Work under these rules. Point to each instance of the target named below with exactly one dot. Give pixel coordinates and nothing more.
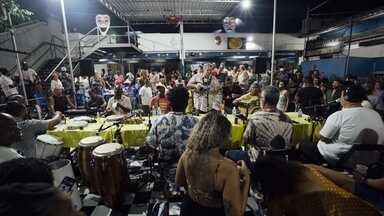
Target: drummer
(119, 104)
(249, 102)
(30, 128)
(9, 134)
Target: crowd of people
(216, 183)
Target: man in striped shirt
(269, 128)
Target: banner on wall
(103, 22)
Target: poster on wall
(236, 43)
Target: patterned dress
(169, 134)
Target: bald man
(10, 134)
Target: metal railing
(93, 40)
(39, 54)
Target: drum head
(91, 141)
(76, 124)
(115, 118)
(49, 139)
(82, 118)
(107, 150)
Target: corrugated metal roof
(141, 11)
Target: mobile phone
(67, 185)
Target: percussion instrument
(115, 118)
(64, 179)
(111, 173)
(76, 112)
(83, 118)
(86, 166)
(73, 125)
(48, 145)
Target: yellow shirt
(249, 101)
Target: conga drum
(86, 164)
(111, 173)
(48, 146)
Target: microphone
(334, 101)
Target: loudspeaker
(260, 65)
(86, 68)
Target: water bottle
(98, 116)
(300, 113)
(234, 111)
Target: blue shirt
(170, 133)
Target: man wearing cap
(250, 102)
(345, 128)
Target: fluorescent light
(333, 43)
(239, 57)
(246, 4)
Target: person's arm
(376, 183)
(69, 101)
(125, 105)
(330, 128)
(287, 104)
(235, 193)
(55, 120)
(109, 105)
(51, 104)
(181, 180)
(249, 135)
(192, 84)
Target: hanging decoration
(229, 24)
(103, 22)
(218, 40)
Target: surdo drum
(48, 146)
(64, 179)
(86, 163)
(111, 173)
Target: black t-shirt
(60, 103)
(309, 96)
(97, 101)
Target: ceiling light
(246, 4)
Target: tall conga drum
(86, 163)
(111, 173)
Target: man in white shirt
(243, 77)
(10, 134)
(145, 94)
(346, 127)
(30, 79)
(119, 104)
(7, 85)
(206, 91)
(29, 75)
(56, 83)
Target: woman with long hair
(294, 189)
(215, 185)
